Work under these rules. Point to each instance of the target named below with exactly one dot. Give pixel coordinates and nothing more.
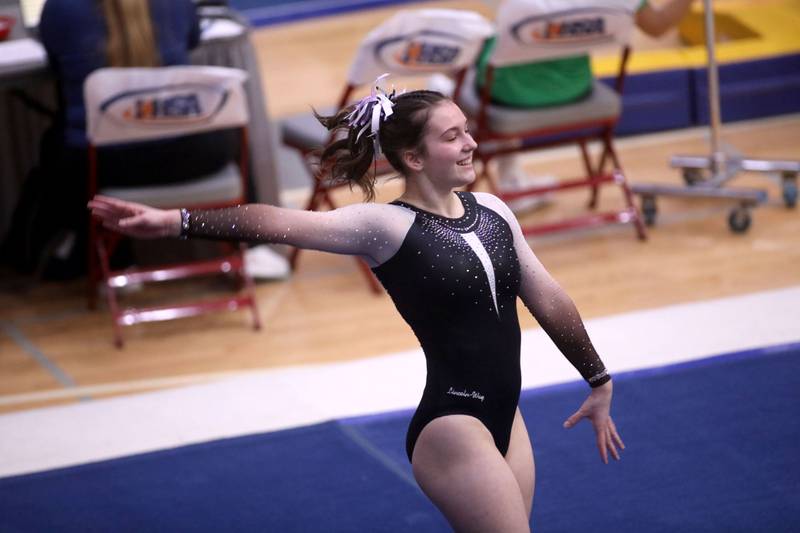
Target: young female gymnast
(454, 264)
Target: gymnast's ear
(412, 160)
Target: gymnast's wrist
(598, 380)
(178, 222)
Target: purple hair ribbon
(367, 113)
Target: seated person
(81, 36)
(557, 82)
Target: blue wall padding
(655, 101)
(262, 13)
(751, 89)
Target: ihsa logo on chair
(586, 26)
(423, 50)
(174, 104)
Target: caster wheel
(649, 210)
(790, 189)
(739, 219)
(691, 176)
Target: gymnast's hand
(135, 220)
(596, 409)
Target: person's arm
(194, 24)
(655, 21)
(54, 30)
(556, 313)
(372, 231)
(550, 305)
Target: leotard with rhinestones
(454, 280)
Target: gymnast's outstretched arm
(559, 318)
(371, 231)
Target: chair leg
(619, 177)
(293, 258)
(636, 216)
(93, 275)
(111, 292)
(244, 282)
(608, 144)
(256, 315)
(590, 172)
(603, 159)
(373, 282)
(249, 288)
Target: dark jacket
(74, 34)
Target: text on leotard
(464, 394)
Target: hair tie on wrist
(599, 379)
(185, 223)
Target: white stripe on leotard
(477, 246)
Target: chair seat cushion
(602, 103)
(304, 131)
(222, 187)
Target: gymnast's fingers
(615, 434)
(610, 443)
(601, 444)
(104, 213)
(574, 419)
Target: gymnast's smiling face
(445, 155)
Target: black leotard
(455, 281)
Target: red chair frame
(582, 133)
(102, 243)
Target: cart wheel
(649, 210)
(790, 189)
(692, 175)
(739, 219)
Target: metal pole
(722, 167)
(717, 156)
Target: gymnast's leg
(520, 459)
(457, 464)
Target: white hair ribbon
(367, 113)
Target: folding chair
(535, 30)
(411, 43)
(128, 105)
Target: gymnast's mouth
(465, 162)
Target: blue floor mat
(712, 446)
(315, 478)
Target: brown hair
(349, 160)
(131, 40)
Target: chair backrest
(136, 104)
(421, 42)
(538, 30)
